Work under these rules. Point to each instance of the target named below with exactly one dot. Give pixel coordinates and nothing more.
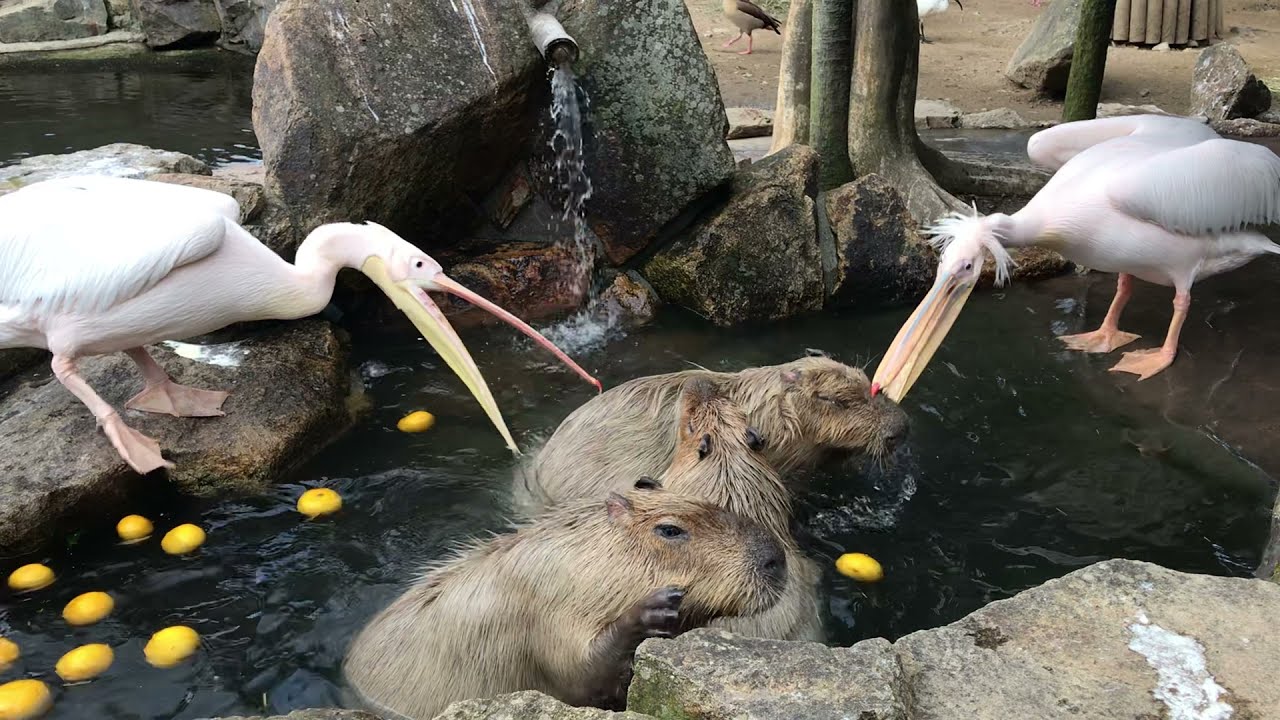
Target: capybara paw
(661, 612)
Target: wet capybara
(560, 604)
(809, 409)
(719, 458)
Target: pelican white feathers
(95, 265)
(1163, 199)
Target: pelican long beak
(414, 302)
(920, 337)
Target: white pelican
(95, 265)
(1163, 199)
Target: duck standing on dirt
(748, 16)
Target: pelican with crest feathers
(1159, 198)
(96, 265)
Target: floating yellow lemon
(170, 646)
(133, 528)
(85, 662)
(860, 567)
(182, 539)
(88, 608)
(31, 577)
(319, 501)
(9, 652)
(419, 421)
(24, 699)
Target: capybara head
(728, 565)
(718, 458)
(831, 405)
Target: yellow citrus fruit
(182, 539)
(85, 662)
(9, 652)
(319, 501)
(88, 608)
(31, 577)
(419, 421)
(133, 528)
(860, 567)
(24, 699)
(170, 646)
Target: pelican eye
(418, 264)
(968, 265)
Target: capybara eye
(833, 401)
(670, 532)
(704, 447)
(754, 441)
(647, 483)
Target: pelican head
(964, 241)
(406, 275)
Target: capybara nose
(770, 558)
(896, 430)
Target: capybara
(719, 458)
(561, 604)
(808, 409)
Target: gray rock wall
(23, 21)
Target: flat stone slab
(289, 386)
(1118, 639)
(125, 160)
(528, 705)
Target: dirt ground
(970, 49)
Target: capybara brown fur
(808, 409)
(719, 458)
(560, 604)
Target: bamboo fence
(1176, 22)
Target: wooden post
(1137, 21)
(1200, 20)
(791, 116)
(1155, 21)
(1169, 22)
(1184, 21)
(1120, 24)
(1089, 60)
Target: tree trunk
(830, 66)
(791, 116)
(1084, 85)
(882, 126)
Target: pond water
(1024, 463)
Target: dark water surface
(194, 102)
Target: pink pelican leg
(141, 452)
(1109, 336)
(731, 42)
(1145, 363)
(162, 395)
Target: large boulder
(878, 255)
(177, 23)
(1119, 639)
(1043, 61)
(23, 21)
(244, 23)
(289, 387)
(657, 123)
(528, 705)
(118, 160)
(401, 112)
(757, 258)
(1223, 87)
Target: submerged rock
(528, 705)
(757, 258)
(657, 123)
(404, 112)
(878, 255)
(118, 160)
(629, 299)
(177, 23)
(1043, 61)
(1119, 639)
(1223, 87)
(288, 398)
(24, 21)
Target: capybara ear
(704, 446)
(755, 440)
(791, 377)
(648, 483)
(815, 352)
(617, 506)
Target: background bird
(931, 7)
(748, 16)
(97, 265)
(1158, 198)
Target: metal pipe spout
(555, 45)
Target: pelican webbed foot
(170, 398)
(139, 451)
(1102, 340)
(1145, 363)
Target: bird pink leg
(731, 42)
(1145, 363)
(141, 452)
(163, 395)
(748, 50)
(1108, 337)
